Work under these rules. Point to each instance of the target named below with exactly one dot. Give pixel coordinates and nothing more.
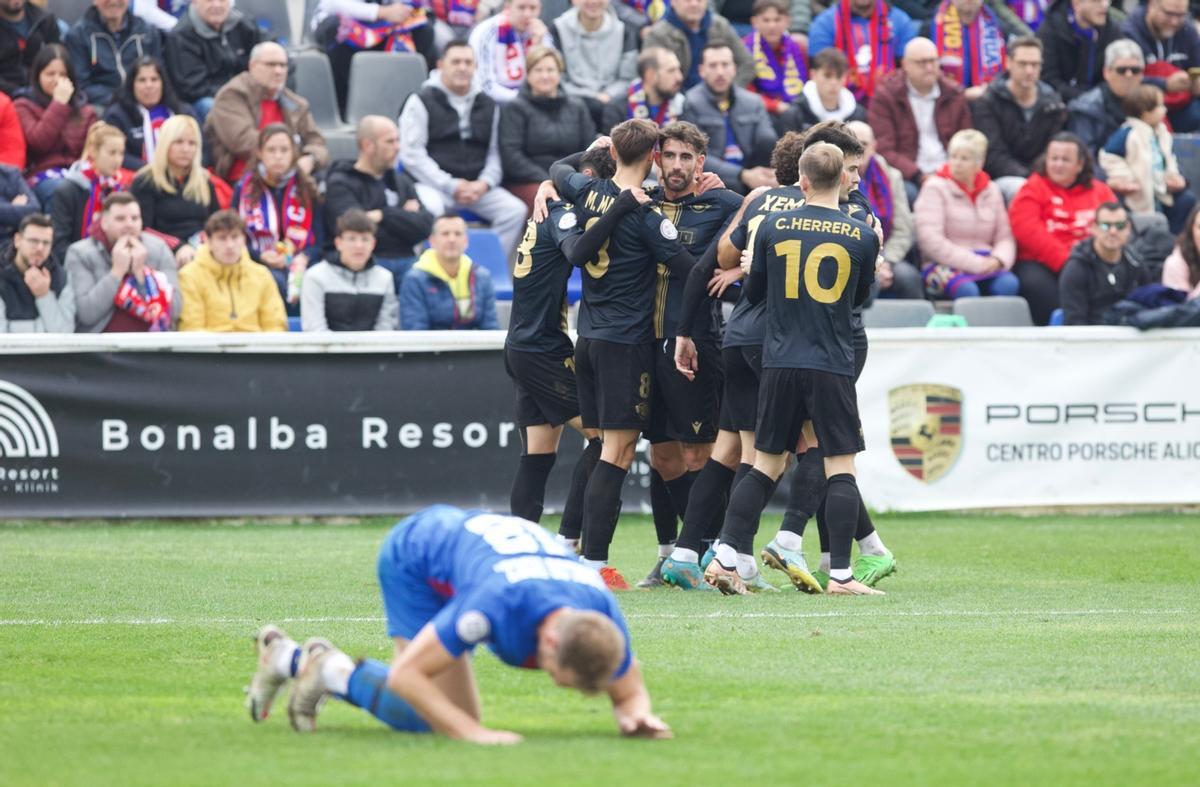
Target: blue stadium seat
(575, 287)
(1056, 317)
(69, 11)
(272, 16)
(294, 325)
(484, 249)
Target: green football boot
(869, 569)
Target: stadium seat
(380, 82)
(272, 16)
(1056, 318)
(294, 325)
(484, 249)
(994, 311)
(503, 313)
(575, 287)
(69, 11)
(1187, 150)
(306, 32)
(313, 79)
(887, 313)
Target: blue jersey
(485, 578)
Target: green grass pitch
(1051, 651)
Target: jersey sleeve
(571, 187)
(660, 235)
(614, 612)
(563, 224)
(467, 621)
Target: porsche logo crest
(926, 429)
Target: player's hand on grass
(706, 181)
(686, 360)
(545, 193)
(722, 280)
(647, 726)
(486, 737)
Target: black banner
(190, 434)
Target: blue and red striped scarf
(969, 54)
(871, 56)
(1032, 12)
(370, 35)
(879, 193)
(99, 187)
(262, 217)
(460, 13)
(152, 120)
(773, 78)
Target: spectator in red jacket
(1050, 214)
(55, 117)
(12, 137)
(914, 112)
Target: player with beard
(683, 414)
(540, 359)
(614, 356)
(811, 266)
(741, 354)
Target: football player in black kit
(540, 359)
(614, 355)
(812, 266)
(683, 414)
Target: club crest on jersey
(567, 220)
(668, 230)
(472, 627)
(926, 429)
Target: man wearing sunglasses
(1172, 49)
(1096, 114)
(1101, 271)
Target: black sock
(571, 525)
(822, 526)
(746, 505)
(805, 490)
(602, 506)
(711, 485)
(529, 486)
(717, 519)
(865, 526)
(680, 488)
(662, 508)
(841, 512)
(742, 469)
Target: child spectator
(145, 101)
(1139, 163)
(445, 290)
(347, 291)
(825, 95)
(86, 185)
(224, 291)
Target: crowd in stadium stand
(157, 172)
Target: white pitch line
(1013, 613)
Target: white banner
(993, 418)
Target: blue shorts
(409, 600)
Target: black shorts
(614, 383)
(739, 401)
(860, 351)
(544, 387)
(789, 397)
(682, 409)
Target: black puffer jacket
(1014, 142)
(172, 214)
(201, 60)
(536, 131)
(1071, 64)
(15, 59)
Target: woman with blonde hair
(75, 205)
(966, 243)
(174, 190)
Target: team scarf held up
(152, 120)
(879, 193)
(374, 35)
(1032, 12)
(460, 13)
(871, 56)
(153, 305)
(969, 54)
(784, 80)
(653, 9)
(638, 108)
(263, 217)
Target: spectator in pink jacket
(966, 244)
(1181, 271)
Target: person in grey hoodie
(449, 141)
(347, 291)
(588, 36)
(35, 295)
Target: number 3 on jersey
(598, 268)
(525, 251)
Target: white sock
(825, 562)
(596, 564)
(872, 544)
(841, 574)
(789, 540)
(664, 550)
(284, 657)
(726, 556)
(335, 673)
(573, 543)
(682, 555)
(746, 567)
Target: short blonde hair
(98, 134)
(540, 53)
(591, 646)
(970, 140)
